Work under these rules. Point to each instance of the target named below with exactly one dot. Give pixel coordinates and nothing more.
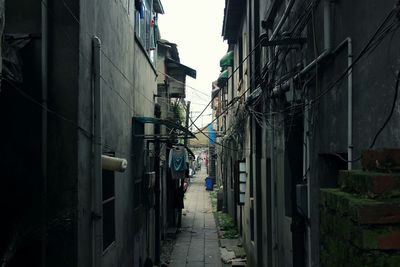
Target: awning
(227, 60)
(223, 75)
(167, 123)
(175, 64)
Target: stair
(360, 220)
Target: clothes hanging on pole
(178, 162)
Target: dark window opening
(231, 173)
(293, 159)
(138, 157)
(240, 59)
(251, 223)
(329, 166)
(108, 199)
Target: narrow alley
(170, 133)
(197, 243)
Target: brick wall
(360, 221)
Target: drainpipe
(348, 42)
(44, 78)
(349, 104)
(328, 25)
(96, 156)
(157, 189)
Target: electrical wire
(56, 114)
(116, 67)
(230, 76)
(385, 123)
(371, 45)
(188, 86)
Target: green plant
(179, 112)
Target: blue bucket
(209, 183)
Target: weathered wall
(373, 92)
(128, 84)
(20, 161)
(53, 193)
(360, 220)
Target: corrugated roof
(175, 64)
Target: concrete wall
(128, 84)
(358, 20)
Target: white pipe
(97, 153)
(327, 25)
(348, 42)
(113, 164)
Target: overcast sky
(196, 26)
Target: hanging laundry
(139, 5)
(178, 162)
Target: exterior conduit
(113, 163)
(349, 44)
(282, 20)
(44, 74)
(97, 155)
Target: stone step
(364, 237)
(383, 160)
(361, 210)
(336, 252)
(370, 184)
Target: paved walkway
(197, 243)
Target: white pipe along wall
(113, 164)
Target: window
(108, 200)
(240, 59)
(146, 26)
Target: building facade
(77, 74)
(296, 109)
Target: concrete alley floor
(197, 243)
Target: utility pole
(185, 142)
(157, 188)
(191, 116)
(187, 122)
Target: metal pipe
(283, 19)
(157, 189)
(308, 176)
(97, 153)
(349, 103)
(349, 43)
(44, 78)
(327, 25)
(313, 63)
